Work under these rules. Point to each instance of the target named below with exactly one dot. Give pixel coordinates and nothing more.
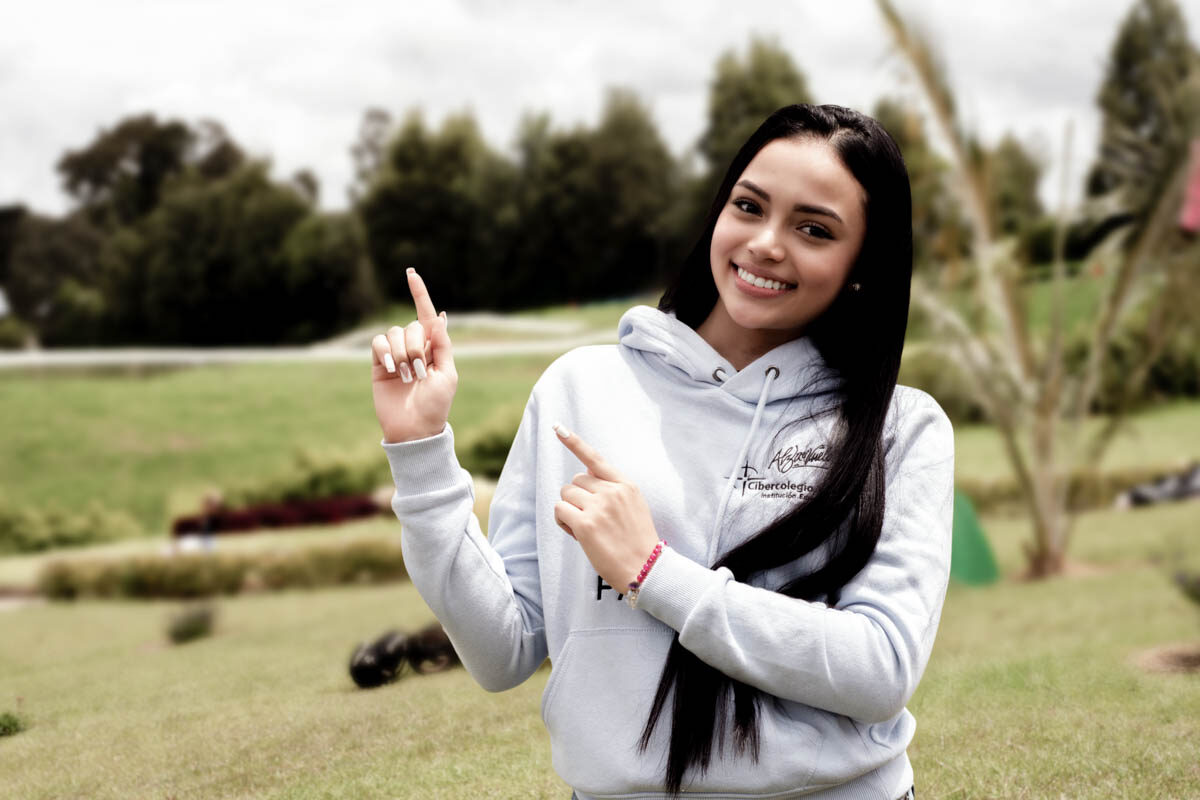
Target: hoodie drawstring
(772, 373)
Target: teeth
(762, 283)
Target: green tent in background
(971, 560)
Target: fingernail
(405, 373)
(561, 431)
(419, 367)
(445, 319)
(388, 362)
(410, 271)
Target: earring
(856, 286)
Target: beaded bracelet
(636, 585)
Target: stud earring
(856, 286)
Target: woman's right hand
(407, 405)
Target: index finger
(426, 313)
(588, 455)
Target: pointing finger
(426, 313)
(587, 454)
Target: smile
(760, 286)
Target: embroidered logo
(781, 463)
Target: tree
(369, 152)
(51, 278)
(592, 206)
(327, 275)
(1150, 58)
(1012, 175)
(742, 94)
(1036, 397)
(440, 203)
(940, 232)
(120, 175)
(236, 260)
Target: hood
(801, 370)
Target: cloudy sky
(290, 80)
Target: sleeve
(864, 658)
(486, 592)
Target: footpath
(546, 336)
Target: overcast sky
(290, 80)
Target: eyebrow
(803, 207)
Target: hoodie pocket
(595, 704)
(598, 698)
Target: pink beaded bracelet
(635, 586)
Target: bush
(484, 448)
(934, 373)
(1174, 373)
(29, 530)
(191, 622)
(315, 477)
(194, 575)
(1087, 489)
(13, 333)
(10, 723)
(327, 511)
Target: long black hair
(861, 335)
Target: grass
(1031, 693)
(1166, 434)
(132, 442)
(262, 709)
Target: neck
(737, 345)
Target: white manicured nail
(561, 431)
(388, 362)
(419, 366)
(405, 372)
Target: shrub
(193, 575)
(191, 622)
(934, 373)
(10, 723)
(1174, 373)
(325, 511)
(315, 477)
(30, 530)
(13, 333)
(1087, 489)
(484, 448)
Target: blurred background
(206, 211)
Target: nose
(765, 245)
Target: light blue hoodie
(703, 443)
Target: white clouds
(291, 79)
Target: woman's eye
(748, 206)
(814, 230)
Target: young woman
(730, 532)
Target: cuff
(675, 586)
(424, 465)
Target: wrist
(643, 573)
(400, 437)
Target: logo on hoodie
(785, 460)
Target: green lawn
(135, 442)
(1031, 693)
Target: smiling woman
(781, 237)
(740, 592)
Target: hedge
(31, 530)
(1087, 488)
(204, 574)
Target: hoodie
(718, 454)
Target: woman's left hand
(606, 514)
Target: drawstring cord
(772, 373)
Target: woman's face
(796, 216)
